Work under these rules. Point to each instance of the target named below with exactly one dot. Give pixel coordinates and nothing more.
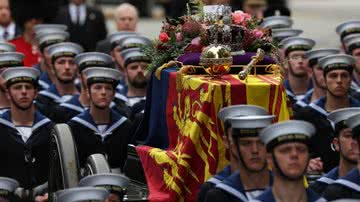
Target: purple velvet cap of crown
(194, 59)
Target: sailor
(47, 35)
(25, 133)
(115, 184)
(7, 189)
(7, 59)
(298, 82)
(224, 115)
(66, 71)
(80, 102)
(288, 156)
(319, 86)
(78, 194)
(101, 129)
(337, 74)
(348, 186)
(280, 34)
(253, 176)
(352, 47)
(343, 144)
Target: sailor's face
(344, 143)
(356, 54)
(47, 59)
(101, 94)
(5, 15)
(113, 198)
(2, 81)
(116, 54)
(135, 73)
(338, 82)
(318, 76)
(253, 153)
(298, 64)
(292, 159)
(22, 94)
(65, 69)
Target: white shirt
(11, 31)
(73, 13)
(25, 132)
(133, 100)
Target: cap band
(62, 54)
(350, 31)
(336, 66)
(249, 132)
(299, 47)
(286, 139)
(92, 63)
(49, 42)
(12, 63)
(21, 79)
(137, 59)
(94, 80)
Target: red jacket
(31, 52)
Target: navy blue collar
(351, 180)
(306, 100)
(87, 120)
(51, 92)
(269, 197)
(330, 177)
(216, 179)
(74, 104)
(39, 120)
(319, 105)
(289, 91)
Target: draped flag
(195, 149)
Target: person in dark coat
(253, 176)
(288, 156)
(25, 133)
(86, 24)
(337, 73)
(101, 129)
(343, 144)
(348, 187)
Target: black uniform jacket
(112, 142)
(27, 162)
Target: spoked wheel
(96, 164)
(64, 164)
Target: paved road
(318, 19)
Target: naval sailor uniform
(293, 98)
(268, 196)
(212, 182)
(44, 81)
(346, 187)
(48, 99)
(316, 114)
(110, 140)
(323, 182)
(25, 157)
(231, 189)
(305, 101)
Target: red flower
(163, 37)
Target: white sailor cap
(7, 186)
(93, 59)
(117, 37)
(11, 59)
(337, 61)
(135, 41)
(101, 75)
(283, 33)
(77, 194)
(297, 43)
(286, 131)
(49, 28)
(240, 110)
(7, 47)
(20, 74)
(46, 39)
(351, 42)
(339, 116)
(110, 181)
(353, 122)
(277, 22)
(249, 126)
(348, 27)
(134, 55)
(314, 55)
(64, 49)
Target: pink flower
(258, 33)
(240, 17)
(196, 41)
(179, 37)
(163, 37)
